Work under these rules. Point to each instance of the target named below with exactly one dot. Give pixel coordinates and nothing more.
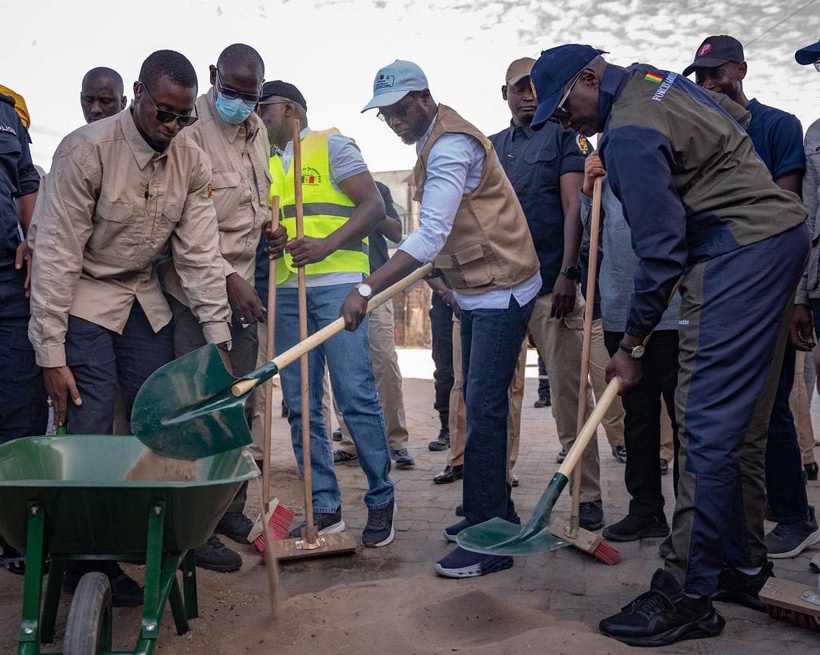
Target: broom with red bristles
(585, 540)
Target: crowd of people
(151, 236)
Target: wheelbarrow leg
(160, 579)
(33, 583)
(188, 568)
(52, 600)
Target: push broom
(585, 540)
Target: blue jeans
(785, 486)
(103, 361)
(23, 408)
(490, 345)
(347, 356)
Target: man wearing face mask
(236, 143)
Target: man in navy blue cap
(472, 225)
(739, 244)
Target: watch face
(364, 290)
(637, 352)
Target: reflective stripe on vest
(325, 210)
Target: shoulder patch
(582, 143)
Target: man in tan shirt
(119, 190)
(236, 143)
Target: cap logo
(384, 82)
(705, 49)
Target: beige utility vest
(490, 246)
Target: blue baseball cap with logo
(808, 55)
(395, 81)
(550, 74)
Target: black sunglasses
(166, 117)
(233, 94)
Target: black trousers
(642, 428)
(441, 325)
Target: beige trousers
(560, 341)
(613, 422)
(799, 404)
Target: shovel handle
(275, 365)
(587, 432)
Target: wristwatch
(635, 352)
(364, 290)
(224, 345)
(571, 272)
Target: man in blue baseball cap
(472, 225)
(738, 244)
(809, 55)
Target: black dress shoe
(449, 474)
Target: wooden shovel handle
(274, 215)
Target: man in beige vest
(472, 225)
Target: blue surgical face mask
(233, 111)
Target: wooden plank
(341, 543)
(786, 594)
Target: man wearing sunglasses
(119, 191)
(738, 243)
(472, 225)
(236, 143)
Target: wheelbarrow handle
(272, 367)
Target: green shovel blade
(186, 410)
(500, 537)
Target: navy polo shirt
(18, 177)
(778, 139)
(534, 161)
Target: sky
(331, 50)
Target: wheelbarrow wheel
(88, 629)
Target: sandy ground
(388, 600)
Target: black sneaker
(811, 471)
(213, 555)
(591, 515)
(633, 527)
(402, 459)
(459, 510)
(737, 587)
(788, 540)
(236, 526)
(379, 529)
(125, 591)
(441, 442)
(619, 453)
(663, 615)
(560, 457)
(346, 458)
(13, 560)
(664, 467)
(543, 401)
(462, 563)
(665, 548)
(324, 522)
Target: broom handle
(587, 342)
(310, 535)
(274, 215)
(275, 365)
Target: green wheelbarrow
(65, 496)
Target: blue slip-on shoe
(465, 564)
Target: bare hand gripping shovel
(193, 407)
(500, 537)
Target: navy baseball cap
(283, 90)
(550, 74)
(808, 55)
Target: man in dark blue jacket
(739, 243)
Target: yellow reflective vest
(325, 210)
